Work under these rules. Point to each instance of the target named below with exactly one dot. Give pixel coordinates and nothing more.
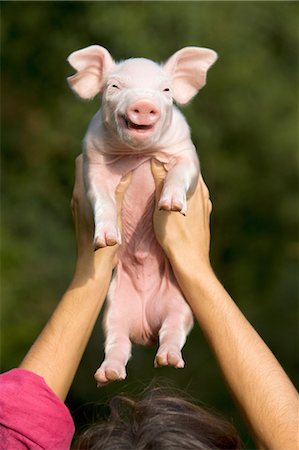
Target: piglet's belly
(138, 237)
(144, 290)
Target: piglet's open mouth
(135, 127)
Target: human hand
(183, 238)
(89, 260)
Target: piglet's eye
(115, 86)
(166, 90)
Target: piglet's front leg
(180, 181)
(101, 194)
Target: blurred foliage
(243, 124)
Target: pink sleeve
(31, 415)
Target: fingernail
(125, 177)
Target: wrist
(95, 266)
(189, 261)
(193, 272)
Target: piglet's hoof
(104, 241)
(169, 358)
(173, 204)
(113, 371)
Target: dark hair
(159, 421)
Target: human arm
(57, 352)
(261, 388)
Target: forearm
(58, 350)
(260, 386)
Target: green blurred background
(243, 124)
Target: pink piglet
(137, 122)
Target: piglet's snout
(143, 112)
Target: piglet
(136, 123)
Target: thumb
(159, 174)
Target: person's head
(159, 421)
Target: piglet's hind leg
(117, 354)
(172, 337)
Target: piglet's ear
(188, 70)
(91, 63)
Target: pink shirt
(31, 415)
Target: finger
(121, 189)
(206, 195)
(159, 174)
(78, 184)
(80, 206)
(72, 205)
(79, 161)
(205, 189)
